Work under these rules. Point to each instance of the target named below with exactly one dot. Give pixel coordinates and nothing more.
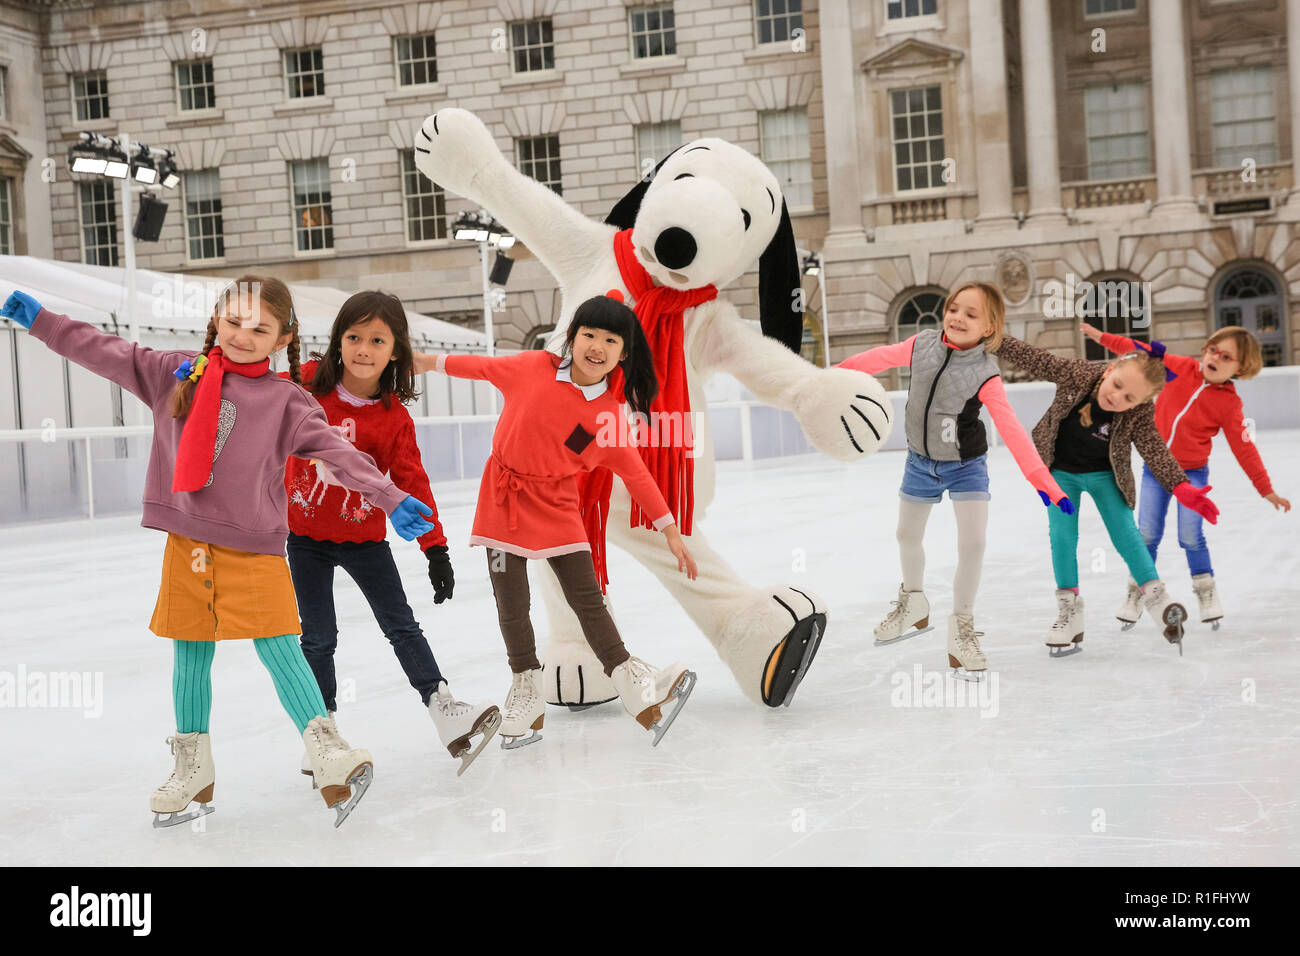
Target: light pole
(814, 265)
(480, 227)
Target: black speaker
(149, 221)
(501, 267)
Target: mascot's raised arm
(705, 215)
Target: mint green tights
(294, 683)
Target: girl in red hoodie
(557, 441)
(367, 365)
(1190, 411)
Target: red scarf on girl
(199, 435)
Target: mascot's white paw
(770, 644)
(572, 675)
(452, 147)
(845, 414)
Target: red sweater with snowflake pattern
(320, 508)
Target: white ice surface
(1125, 754)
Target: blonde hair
(1249, 357)
(274, 296)
(1152, 369)
(994, 305)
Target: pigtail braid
(183, 394)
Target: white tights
(972, 520)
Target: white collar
(589, 392)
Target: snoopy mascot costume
(706, 214)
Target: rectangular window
(304, 71)
(654, 141)
(532, 46)
(786, 150)
(1242, 116)
(417, 61)
(98, 223)
(776, 20)
(917, 116)
(204, 234)
(312, 216)
(6, 220)
(1115, 121)
(1100, 8)
(194, 85)
(424, 202)
(652, 30)
(902, 9)
(539, 157)
(90, 95)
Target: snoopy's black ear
(780, 310)
(623, 215)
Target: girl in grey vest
(953, 376)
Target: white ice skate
(1167, 612)
(525, 709)
(908, 617)
(305, 766)
(645, 691)
(457, 722)
(1132, 609)
(964, 655)
(1065, 636)
(191, 781)
(1208, 597)
(336, 767)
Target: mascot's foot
(572, 676)
(770, 645)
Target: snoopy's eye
(745, 213)
(683, 176)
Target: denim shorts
(926, 479)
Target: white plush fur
(706, 187)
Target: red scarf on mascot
(660, 309)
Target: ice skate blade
(1126, 625)
(653, 718)
(488, 725)
(163, 820)
(1173, 618)
(514, 743)
(902, 637)
(972, 677)
(1055, 650)
(343, 798)
(579, 708)
(784, 672)
(1214, 624)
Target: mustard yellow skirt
(211, 593)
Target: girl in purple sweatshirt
(224, 426)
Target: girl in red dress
(553, 451)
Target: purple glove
(1063, 504)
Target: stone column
(1173, 141)
(1039, 83)
(1293, 75)
(988, 66)
(844, 157)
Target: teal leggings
(1115, 513)
(294, 683)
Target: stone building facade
(1140, 149)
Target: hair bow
(1158, 350)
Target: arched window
(536, 339)
(1119, 305)
(1252, 299)
(922, 309)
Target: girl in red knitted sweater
(1190, 411)
(557, 441)
(362, 381)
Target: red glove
(1197, 500)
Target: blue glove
(408, 518)
(1063, 504)
(22, 308)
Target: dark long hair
(640, 385)
(399, 376)
(273, 295)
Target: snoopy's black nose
(675, 248)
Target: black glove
(440, 573)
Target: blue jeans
(1154, 505)
(926, 479)
(370, 564)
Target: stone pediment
(1238, 31)
(911, 54)
(11, 152)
